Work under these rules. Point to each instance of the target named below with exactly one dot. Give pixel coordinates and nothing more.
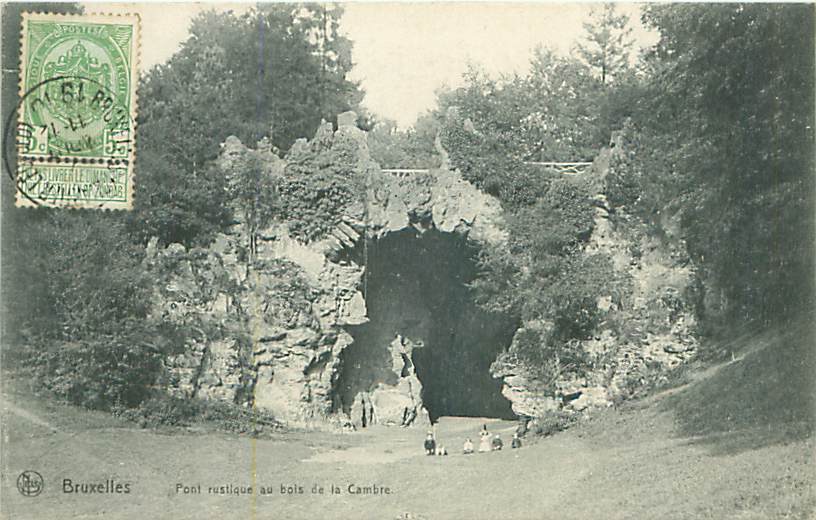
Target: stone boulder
(347, 119)
(528, 395)
(591, 397)
(221, 371)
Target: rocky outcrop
(647, 327)
(440, 199)
(398, 404)
(529, 395)
(273, 309)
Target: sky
(404, 52)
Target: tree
(731, 98)
(23, 294)
(551, 114)
(88, 334)
(543, 276)
(273, 72)
(334, 52)
(251, 190)
(562, 108)
(414, 147)
(608, 42)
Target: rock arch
(289, 363)
(275, 335)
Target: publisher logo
(30, 483)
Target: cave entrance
(417, 288)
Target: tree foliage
(734, 87)
(608, 42)
(492, 129)
(716, 128)
(251, 192)
(90, 336)
(563, 110)
(273, 72)
(554, 113)
(485, 160)
(543, 276)
(22, 292)
(321, 181)
(410, 148)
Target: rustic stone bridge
(372, 323)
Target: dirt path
(10, 408)
(620, 466)
(639, 461)
(492, 485)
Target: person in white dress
(484, 440)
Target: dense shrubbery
(718, 128)
(77, 293)
(724, 150)
(724, 135)
(409, 148)
(162, 410)
(554, 113)
(86, 334)
(542, 240)
(487, 162)
(540, 275)
(99, 372)
(553, 422)
(274, 71)
(251, 190)
(313, 205)
(321, 181)
(490, 129)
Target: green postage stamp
(76, 131)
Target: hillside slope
(735, 442)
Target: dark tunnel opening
(417, 287)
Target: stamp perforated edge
(136, 22)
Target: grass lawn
(712, 449)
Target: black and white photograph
(408, 261)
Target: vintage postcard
(407, 261)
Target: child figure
(497, 443)
(467, 449)
(430, 444)
(516, 441)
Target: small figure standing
(516, 441)
(497, 443)
(484, 441)
(408, 416)
(442, 451)
(523, 427)
(467, 449)
(430, 444)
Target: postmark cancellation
(76, 129)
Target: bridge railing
(565, 168)
(405, 172)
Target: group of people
(485, 443)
